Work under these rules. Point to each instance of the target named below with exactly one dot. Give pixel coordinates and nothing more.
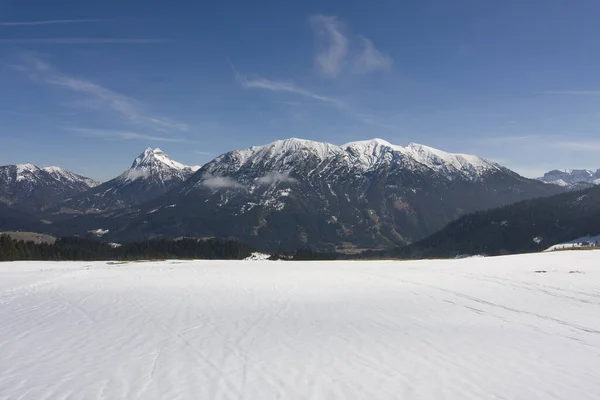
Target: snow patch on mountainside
(284, 155)
(27, 172)
(438, 159)
(257, 257)
(64, 175)
(99, 232)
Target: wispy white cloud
(124, 135)
(285, 87)
(338, 52)
(370, 59)
(98, 96)
(203, 153)
(82, 41)
(332, 44)
(288, 87)
(47, 22)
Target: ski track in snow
(481, 328)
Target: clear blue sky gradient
(89, 85)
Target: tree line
(80, 249)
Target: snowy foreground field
(482, 328)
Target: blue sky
(89, 85)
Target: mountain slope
(522, 227)
(572, 178)
(29, 187)
(69, 178)
(293, 193)
(152, 174)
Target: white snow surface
(257, 257)
(157, 154)
(27, 172)
(585, 241)
(63, 175)
(480, 328)
(365, 155)
(154, 162)
(99, 232)
(571, 177)
(30, 173)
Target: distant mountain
(526, 226)
(152, 174)
(69, 178)
(293, 193)
(572, 178)
(29, 187)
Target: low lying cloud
(220, 182)
(276, 177)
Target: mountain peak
(152, 157)
(27, 167)
(293, 153)
(155, 162)
(27, 185)
(572, 178)
(369, 142)
(151, 174)
(150, 150)
(68, 177)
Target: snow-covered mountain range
(362, 156)
(295, 192)
(282, 195)
(152, 174)
(572, 178)
(29, 186)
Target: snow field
(518, 327)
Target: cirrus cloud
(332, 44)
(370, 59)
(337, 51)
(95, 95)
